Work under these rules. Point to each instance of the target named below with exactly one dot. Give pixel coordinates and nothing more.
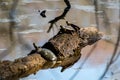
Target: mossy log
(66, 45)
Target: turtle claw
(63, 69)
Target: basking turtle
(67, 44)
(65, 47)
(46, 54)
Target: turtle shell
(66, 48)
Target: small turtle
(45, 53)
(65, 48)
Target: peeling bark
(21, 67)
(66, 45)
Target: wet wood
(21, 67)
(66, 45)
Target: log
(21, 67)
(66, 46)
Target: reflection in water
(29, 27)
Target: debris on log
(65, 46)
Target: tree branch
(52, 22)
(21, 67)
(66, 46)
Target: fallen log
(64, 49)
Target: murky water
(30, 27)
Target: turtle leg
(75, 27)
(36, 50)
(63, 68)
(64, 30)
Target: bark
(66, 45)
(20, 67)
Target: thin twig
(119, 40)
(12, 15)
(52, 22)
(112, 60)
(112, 57)
(11, 27)
(96, 13)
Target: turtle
(65, 48)
(46, 54)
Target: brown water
(30, 27)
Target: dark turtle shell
(67, 44)
(66, 47)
